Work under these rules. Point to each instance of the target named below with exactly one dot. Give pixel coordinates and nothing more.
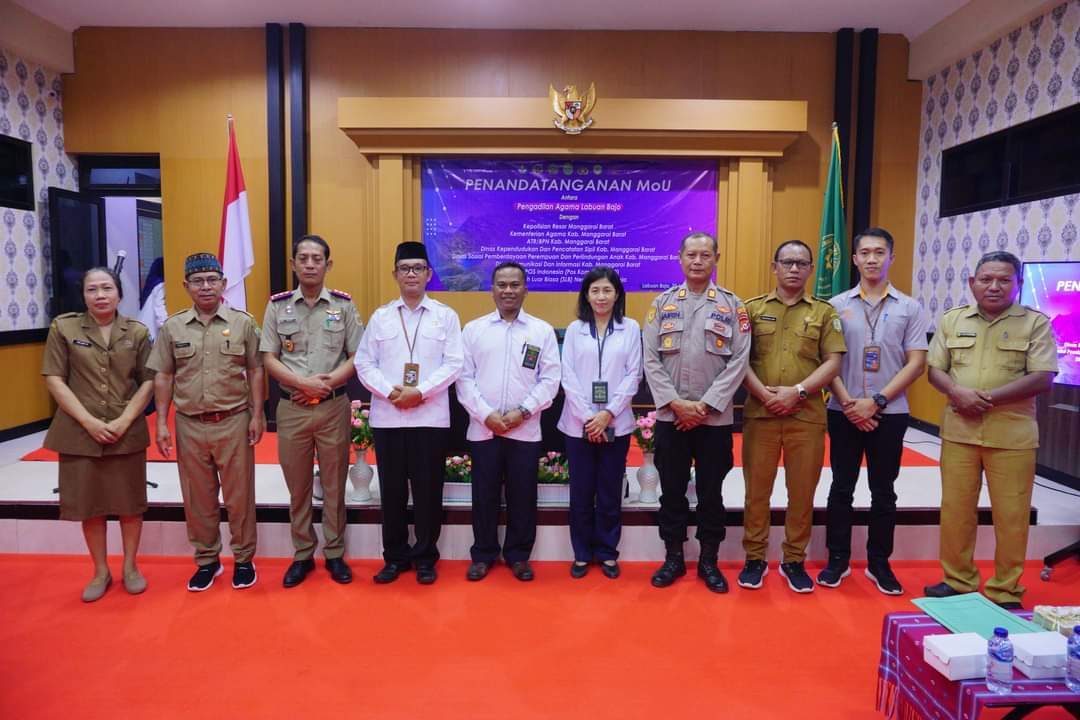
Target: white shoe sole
(751, 586)
(209, 584)
(836, 584)
(254, 579)
(882, 590)
(792, 585)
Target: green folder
(972, 612)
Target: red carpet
(266, 452)
(557, 648)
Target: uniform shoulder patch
(340, 294)
(179, 312)
(755, 298)
(67, 315)
(277, 297)
(242, 312)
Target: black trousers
(709, 447)
(883, 448)
(596, 483)
(515, 462)
(415, 456)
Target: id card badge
(599, 392)
(872, 358)
(411, 376)
(531, 357)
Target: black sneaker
(882, 576)
(833, 573)
(243, 575)
(753, 574)
(204, 577)
(797, 579)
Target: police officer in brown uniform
(798, 343)
(95, 369)
(697, 344)
(309, 337)
(990, 359)
(207, 362)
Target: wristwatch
(802, 391)
(881, 400)
(524, 412)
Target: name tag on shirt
(531, 357)
(766, 317)
(871, 358)
(967, 333)
(179, 344)
(82, 343)
(411, 376)
(600, 392)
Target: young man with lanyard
(511, 374)
(408, 358)
(885, 331)
(309, 337)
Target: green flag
(834, 254)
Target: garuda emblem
(572, 110)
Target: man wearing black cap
(207, 360)
(408, 358)
(309, 337)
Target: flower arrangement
(553, 469)
(362, 437)
(459, 469)
(643, 431)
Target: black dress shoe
(941, 590)
(674, 567)
(339, 570)
(297, 572)
(425, 574)
(714, 579)
(390, 572)
(522, 570)
(477, 571)
(579, 570)
(610, 569)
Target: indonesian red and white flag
(234, 250)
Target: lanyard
(600, 343)
(872, 324)
(416, 333)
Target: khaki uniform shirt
(984, 355)
(790, 342)
(210, 363)
(696, 348)
(311, 340)
(103, 376)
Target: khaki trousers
(212, 456)
(1010, 475)
(302, 431)
(803, 446)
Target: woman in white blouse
(601, 370)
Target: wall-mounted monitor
(1054, 289)
(16, 173)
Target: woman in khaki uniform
(95, 369)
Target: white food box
(957, 656)
(1040, 655)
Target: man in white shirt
(408, 357)
(511, 374)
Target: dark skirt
(108, 485)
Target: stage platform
(29, 515)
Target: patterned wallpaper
(1031, 71)
(31, 109)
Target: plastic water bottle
(999, 662)
(1072, 661)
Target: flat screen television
(16, 173)
(1054, 288)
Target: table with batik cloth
(910, 689)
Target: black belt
(217, 416)
(336, 392)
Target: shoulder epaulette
(956, 309)
(178, 312)
(136, 321)
(756, 297)
(340, 294)
(1037, 311)
(67, 315)
(281, 296)
(242, 312)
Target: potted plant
(553, 476)
(362, 438)
(458, 484)
(647, 476)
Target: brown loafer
(134, 582)
(96, 588)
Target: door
(77, 239)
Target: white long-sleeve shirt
(621, 371)
(495, 379)
(380, 361)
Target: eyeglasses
(412, 269)
(204, 282)
(789, 264)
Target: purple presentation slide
(1054, 288)
(560, 218)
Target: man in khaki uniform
(207, 361)
(697, 343)
(798, 343)
(991, 359)
(309, 337)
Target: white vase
(316, 486)
(360, 475)
(648, 479)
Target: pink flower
(551, 454)
(356, 404)
(640, 422)
(646, 434)
(365, 413)
(355, 423)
